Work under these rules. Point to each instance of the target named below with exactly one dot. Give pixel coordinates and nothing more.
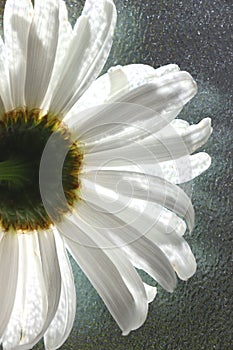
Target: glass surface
(197, 35)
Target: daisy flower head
(89, 165)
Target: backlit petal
(8, 277)
(17, 21)
(62, 323)
(114, 277)
(42, 44)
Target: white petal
(30, 307)
(64, 38)
(148, 188)
(51, 271)
(52, 282)
(183, 169)
(177, 251)
(8, 277)
(141, 252)
(148, 108)
(111, 274)
(193, 135)
(17, 20)
(42, 45)
(63, 321)
(118, 81)
(131, 209)
(87, 53)
(162, 149)
(175, 171)
(151, 292)
(140, 215)
(117, 125)
(103, 47)
(169, 91)
(5, 90)
(74, 60)
(177, 126)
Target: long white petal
(42, 46)
(140, 215)
(118, 125)
(177, 251)
(17, 20)
(86, 54)
(52, 273)
(118, 81)
(198, 134)
(162, 149)
(63, 321)
(111, 274)
(102, 47)
(149, 188)
(142, 253)
(30, 307)
(5, 90)
(132, 209)
(8, 277)
(74, 60)
(52, 282)
(141, 111)
(64, 38)
(176, 171)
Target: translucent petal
(31, 304)
(104, 46)
(148, 108)
(131, 209)
(194, 136)
(73, 62)
(5, 90)
(177, 251)
(17, 20)
(162, 149)
(176, 171)
(8, 277)
(110, 127)
(42, 43)
(140, 215)
(118, 81)
(141, 252)
(52, 282)
(52, 273)
(148, 188)
(62, 323)
(64, 38)
(86, 55)
(111, 274)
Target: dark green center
(23, 136)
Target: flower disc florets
(23, 136)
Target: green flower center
(23, 137)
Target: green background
(197, 35)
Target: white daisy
(124, 156)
